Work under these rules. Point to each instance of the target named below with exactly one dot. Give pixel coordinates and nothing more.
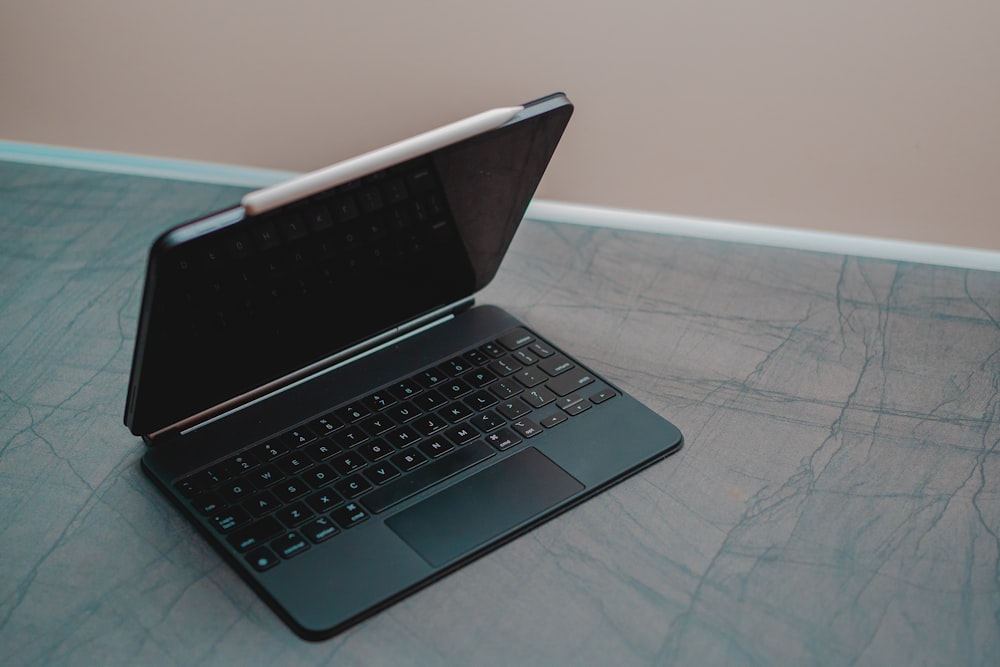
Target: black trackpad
(472, 512)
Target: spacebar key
(413, 483)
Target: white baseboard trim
(540, 209)
(767, 235)
(139, 165)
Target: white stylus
(272, 197)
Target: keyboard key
(515, 339)
(457, 366)
(324, 500)
(434, 472)
(454, 389)
(503, 439)
(192, 486)
(319, 530)
(430, 378)
(493, 350)
(235, 491)
(430, 401)
(526, 428)
(487, 421)
(375, 230)
(375, 450)
(293, 514)
(221, 471)
(378, 401)
(394, 191)
(570, 381)
(402, 437)
(291, 489)
(429, 424)
(262, 559)
(291, 465)
(525, 357)
(435, 447)
(578, 407)
(298, 437)
(456, 412)
(242, 463)
(480, 400)
(377, 425)
(553, 419)
(209, 502)
(352, 436)
(569, 401)
(479, 378)
(381, 473)
(400, 219)
(265, 476)
(506, 389)
(344, 209)
(322, 449)
(538, 397)
(264, 235)
(271, 449)
(603, 395)
(213, 476)
(530, 377)
(505, 366)
(261, 504)
(349, 515)
(461, 434)
(229, 519)
(404, 412)
(353, 413)
(513, 408)
(326, 425)
(406, 390)
(290, 227)
(319, 476)
(238, 246)
(556, 365)
(541, 349)
(348, 462)
(349, 236)
(370, 199)
(476, 357)
(289, 545)
(407, 461)
(353, 486)
(318, 218)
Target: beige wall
(879, 117)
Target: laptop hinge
(331, 363)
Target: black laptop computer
(322, 400)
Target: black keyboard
(278, 265)
(305, 486)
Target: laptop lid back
(237, 301)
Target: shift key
(570, 381)
(413, 483)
